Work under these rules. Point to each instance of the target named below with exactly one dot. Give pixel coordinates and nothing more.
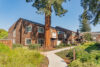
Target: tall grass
(19, 57)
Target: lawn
(87, 55)
(21, 57)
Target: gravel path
(54, 60)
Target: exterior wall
(98, 38)
(7, 42)
(54, 37)
(21, 34)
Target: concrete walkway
(54, 60)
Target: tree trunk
(47, 31)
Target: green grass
(19, 57)
(87, 55)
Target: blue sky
(12, 10)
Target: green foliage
(84, 23)
(4, 48)
(3, 34)
(17, 45)
(20, 57)
(61, 45)
(87, 55)
(88, 36)
(44, 6)
(34, 46)
(93, 10)
(75, 63)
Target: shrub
(20, 57)
(17, 45)
(3, 34)
(61, 45)
(88, 36)
(80, 54)
(89, 64)
(75, 63)
(4, 48)
(34, 46)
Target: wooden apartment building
(27, 32)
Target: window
(28, 28)
(41, 41)
(60, 32)
(40, 29)
(28, 41)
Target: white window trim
(28, 26)
(26, 41)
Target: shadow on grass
(93, 47)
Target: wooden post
(74, 54)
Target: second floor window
(28, 28)
(60, 32)
(40, 29)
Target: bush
(20, 57)
(4, 48)
(17, 45)
(80, 54)
(75, 63)
(34, 46)
(3, 34)
(61, 45)
(88, 36)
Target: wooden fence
(7, 42)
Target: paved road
(54, 60)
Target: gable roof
(32, 22)
(60, 28)
(39, 24)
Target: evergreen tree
(46, 7)
(84, 23)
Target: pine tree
(84, 23)
(46, 7)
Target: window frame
(26, 29)
(40, 28)
(40, 39)
(26, 41)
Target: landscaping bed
(21, 57)
(87, 55)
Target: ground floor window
(28, 41)
(41, 41)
